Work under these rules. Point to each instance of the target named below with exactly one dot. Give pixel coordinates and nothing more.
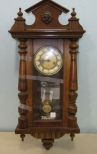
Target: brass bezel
(48, 74)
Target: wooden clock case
(47, 30)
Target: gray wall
(87, 63)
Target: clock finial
(20, 14)
(19, 24)
(73, 14)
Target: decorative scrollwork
(46, 18)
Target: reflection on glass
(47, 98)
(50, 95)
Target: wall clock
(47, 72)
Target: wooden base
(47, 142)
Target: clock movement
(47, 72)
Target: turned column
(22, 87)
(73, 87)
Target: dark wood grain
(47, 31)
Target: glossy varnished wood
(46, 30)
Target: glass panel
(47, 100)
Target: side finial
(73, 14)
(20, 14)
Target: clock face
(48, 60)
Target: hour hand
(44, 60)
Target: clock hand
(45, 60)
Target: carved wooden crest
(46, 17)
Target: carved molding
(72, 30)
